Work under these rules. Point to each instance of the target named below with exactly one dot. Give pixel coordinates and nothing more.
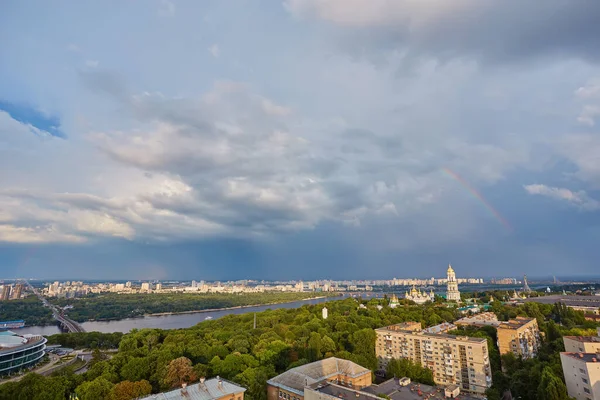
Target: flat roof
(586, 357)
(515, 323)
(584, 339)
(209, 390)
(390, 388)
(435, 335)
(297, 378)
(570, 300)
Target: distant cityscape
(79, 288)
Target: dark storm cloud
(492, 31)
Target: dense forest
(29, 309)
(153, 360)
(110, 306)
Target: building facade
(520, 336)
(19, 352)
(582, 344)
(452, 293)
(454, 360)
(582, 375)
(290, 385)
(418, 296)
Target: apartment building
(454, 360)
(582, 375)
(582, 344)
(520, 336)
(290, 385)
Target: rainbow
(478, 196)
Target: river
(176, 321)
(173, 321)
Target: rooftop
(515, 323)
(10, 341)
(209, 390)
(297, 378)
(391, 388)
(569, 300)
(586, 357)
(584, 339)
(433, 335)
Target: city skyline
(298, 139)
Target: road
(68, 324)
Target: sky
(299, 139)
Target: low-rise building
(482, 319)
(210, 389)
(290, 385)
(393, 389)
(520, 336)
(454, 360)
(20, 352)
(582, 375)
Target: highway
(67, 324)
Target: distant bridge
(65, 323)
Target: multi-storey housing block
(582, 344)
(454, 360)
(582, 375)
(520, 336)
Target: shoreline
(165, 314)
(227, 308)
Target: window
(584, 380)
(580, 370)
(586, 390)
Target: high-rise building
(5, 292)
(146, 286)
(454, 360)
(159, 286)
(325, 313)
(452, 293)
(520, 336)
(582, 344)
(17, 291)
(581, 366)
(582, 375)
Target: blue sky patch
(29, 115)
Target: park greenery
(112, 306)
(29, 309)
(153, 360)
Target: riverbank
(228, 308)
(173, 321)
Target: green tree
(551, 387)
(136, 369)
(98, 389)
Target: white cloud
(590, 91)
(579, 199)
(166, 8)
(91, 63)
(588, 115)
(73, 47)
(37, 234)
(214, 50)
